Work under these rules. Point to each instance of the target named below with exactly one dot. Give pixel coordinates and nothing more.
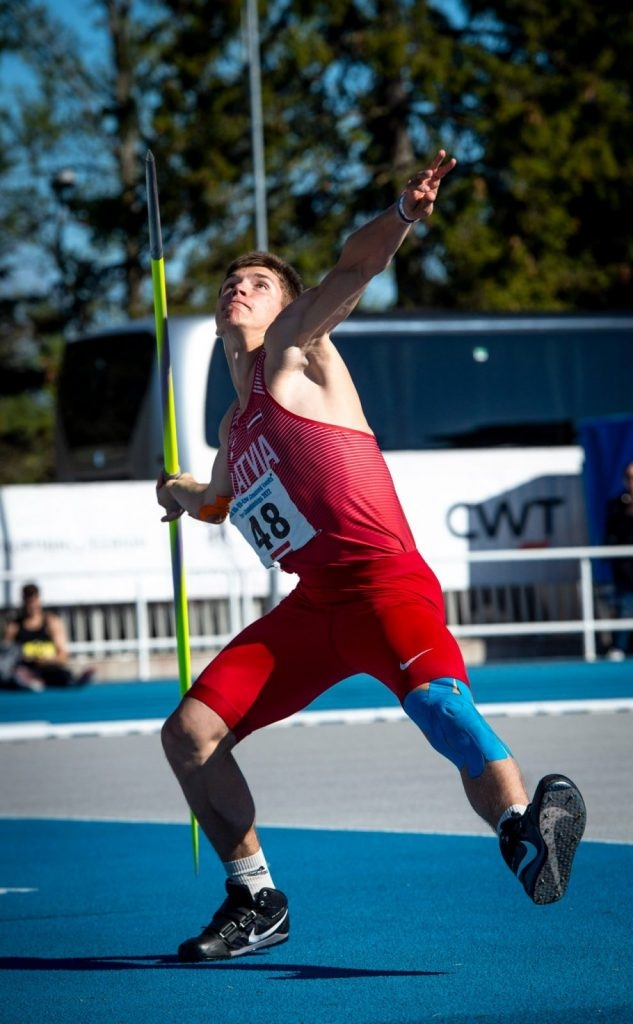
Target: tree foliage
(534, 100)
(547, 95)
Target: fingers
(438, 164)
(443, 169)
(433, 174)
(164, 477)
(163, 496)
(422, 187)
(171, 516)
(436, 171)
(171, 508)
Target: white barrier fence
(587, 624)
(243, 603)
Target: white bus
(452, 382)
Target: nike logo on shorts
(405, 664)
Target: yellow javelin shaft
(170, 442)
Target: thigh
(273, 668)
(402, 640)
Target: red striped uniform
(336, 476)
(366, 601)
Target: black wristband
(402, 215)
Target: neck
(241, 359)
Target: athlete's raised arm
(366, 253)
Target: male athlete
(301, 475)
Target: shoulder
(52, 620)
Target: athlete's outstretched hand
(421, 190)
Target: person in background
(619, 530)
(37, 640)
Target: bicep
(317, 311)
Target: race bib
(269, 520)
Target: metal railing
(587, 624)
(243, 604)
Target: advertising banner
(91, 543)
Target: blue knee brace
(446, 714)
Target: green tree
(353, 96)
(545, 202)
(72, 212)
(535, 103)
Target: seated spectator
(35, 648)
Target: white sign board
(101, 542)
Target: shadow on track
(292, 972)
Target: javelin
(170, 440)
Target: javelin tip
(155, 235)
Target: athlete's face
(252, 297)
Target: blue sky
(79, 15)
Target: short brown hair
(291, 283)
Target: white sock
(509, 811)
(250, 871)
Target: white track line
(17, 731)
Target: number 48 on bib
(269, 520)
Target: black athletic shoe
(243, 924)
(539, 845)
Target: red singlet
(336, 476)
(366, 601)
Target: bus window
(462, 390)
(517, 387)
(103, 383)
(220, 394)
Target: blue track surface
(505, 683)
(387, 928)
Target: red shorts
(384, 618)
